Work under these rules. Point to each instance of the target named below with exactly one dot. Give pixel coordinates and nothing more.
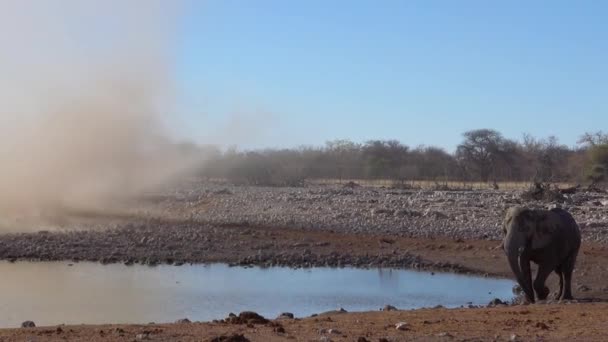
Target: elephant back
(566, 219)
(568, 226)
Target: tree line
(484, 155)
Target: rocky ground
(455, 231)
(574, 322)
(208, 222)
(356, 209)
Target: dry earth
(574, 322)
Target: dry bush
(257, 169)
(544, 192)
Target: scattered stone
(382, 211)
(496, 301)
(583, 288)
(517, 290)
(514, 337)
(445, 334)
(542, 326)
(224, 191)
(286, 315)
(28, 324)
(246, 317)
(333, 312)
(434, 214)
(403, 326)
(231, 338)
(142, 337)
(351, 185)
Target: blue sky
(287, 73)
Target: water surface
(51, 293)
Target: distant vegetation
(484, 155)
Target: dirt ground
(582, 321)
(565, 322)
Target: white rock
(403, 326)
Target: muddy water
(55, 293)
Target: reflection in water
(55, 293)
(388, 279)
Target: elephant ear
(508, 217)
(525, 221)
(544, 229)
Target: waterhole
(51, 293)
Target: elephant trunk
(517, 253)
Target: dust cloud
(85, 89)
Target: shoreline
(242, 246)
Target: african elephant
(549, 238)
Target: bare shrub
(544, 192)
(260, 169)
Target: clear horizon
(270, 73)
(283, 74)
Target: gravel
(422, 213)
(207, 222)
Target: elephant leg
(526, 276)
(560, 275)
(539, 283)
(567, 285)
(568, 268)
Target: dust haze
(85, 90)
